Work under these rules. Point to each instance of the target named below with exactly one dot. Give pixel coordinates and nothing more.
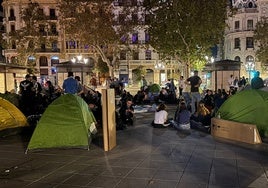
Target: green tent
(66, 123)
(248, 106)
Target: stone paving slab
(144, 157)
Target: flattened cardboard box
(236, 131)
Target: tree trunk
(111, 70)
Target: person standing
(181, 86)
(37, 102)
(231, 82)
(37, 88)
(70, 85)
(195, 82)
(93, 82)
(50, 91)
(27, 94)
(80, 89)
(143, 82)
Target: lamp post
(159, 65)
(211, 60)
(208, 74)
(250, 65)
(79, 59)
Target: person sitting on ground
(209, 100)
(126, 113)
(160, 117)
(201, 119)
(163, 95)
(182, 117)
(138, 97)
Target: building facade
(238, 40)
(62, 50)
(238, 43)
(46, 55)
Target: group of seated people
(183, 118)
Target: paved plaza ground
(143, 157)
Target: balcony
(250, 47)
(247, 10)
(47, 50)
(238, 31)
(53, 18)
(81, 51)
(11, 18)
(53, 33)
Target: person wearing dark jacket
(26, 95)
(126, 112)
(257, 82)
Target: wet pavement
(143, 157)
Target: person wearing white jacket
(160, 117)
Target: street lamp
(207, 76)
(249, 68)
(211, 60)
(159, 65)
(79, 59)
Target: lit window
(148, 54)
(147, 37)
(237, 58)
(135, 38)
(249, 59)
(54, 60)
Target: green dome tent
(248, 106)
(65, 123)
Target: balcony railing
(247, 10)
(47, 50)
(12, 18)
(53, 17)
